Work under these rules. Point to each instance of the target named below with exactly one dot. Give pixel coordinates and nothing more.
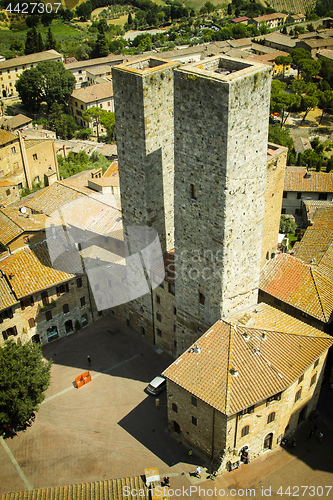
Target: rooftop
(317, 238)
(93, 92)
(29, 270)
(298, 179)
(15, 121)
(7, 137)
(146, 65)
(30, 59)
(265, 348)
(7, 298)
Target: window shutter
(58, 291)
(22, 305)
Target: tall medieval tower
(192, 147)
(144, 108)
(221, 133)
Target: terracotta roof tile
(317, 238)
(93, 92)
(295, 180)
(52, 198)
(264, 367)
(30, 58)
(6, 137)
(293, 282)
(29, 270)
(112, 489)
(9, 230)
(7, 298)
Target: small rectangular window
(82, 301)
(34, 157)
(171, 288)
(174, 328)
(299, 196)
(159, 332)
(301, 378)
(201, 298)
(7, 192)
(175, 311)
(13, 150)
(48, 315)
(45, 298)
(298, 394)
(79, 282)
(158, 299)
(285, 195)
(193, 192)
(174, 408)
(313, 379)
(194, 401)
(31, 322)
(65, 308)
(194, 421)
(158, 317)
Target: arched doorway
(302, 415)
(36, 338)
(176, 427)
(268, 441)
(69, 326)
(4, 93)
(52, 333)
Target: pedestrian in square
(190, 453)
(89, 360)
(198, 472)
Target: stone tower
(221, 131)
(144, 106)
(144, 109)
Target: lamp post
(97, 121)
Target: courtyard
(111, 428)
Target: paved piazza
(110, 428)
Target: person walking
(198, 472)
(190, 453)
(89, 360)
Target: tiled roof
(317, 238)
(295, 180)
(52, 198)
(26, 222)
(112, 489)
(295, 283)
(15, 121)
(6, 137)
(93, 62)
(93, 92)
(30, 59)
(270, 17)
(240, 19)
(278, 38)
(7, 298)
(9, 230)
(311, 207)
(264, 365)
(80, 181)
(325, 53)
(29, 270)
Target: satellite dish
(23, 210)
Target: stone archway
(176, 427)
(268, 441)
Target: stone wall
(220, 438)
(221, 130)
(276, 166)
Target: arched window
(271, 417)
(245, 430)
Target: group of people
(9, 430)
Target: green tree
(287, 225)
(25, 376)
(109, 123)
(298, 55)
(64, 125)
(40, 43)
(48, 82)
(229, 9)
(309, 68)
(31, 42)
(130, 19)
(50, 40)
(94, 114)
(325, 102)
(83, 11)
(326, 68)
(17, 45)
(102, 46)
(283, 61)
(309, 102)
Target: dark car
(156, 386)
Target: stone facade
(46, 322)
(221, 437)
(276, 166)
(221, 129)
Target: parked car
(156, 386)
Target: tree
(229, 9)
(40, 43)
(325, 101)
(63, 125)
(94, 114)
(50, 41)
(84, 10)
(17, 45)
(32, 21)
(108, 121)
(130, 19)
(31, 42)
(309, 68)
(25, 376)
(298, 55)
(283, 61)
(102, 46)
(287, 225)
(48, 82)
(309, 102)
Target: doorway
(268, 441)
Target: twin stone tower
(192, 150)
